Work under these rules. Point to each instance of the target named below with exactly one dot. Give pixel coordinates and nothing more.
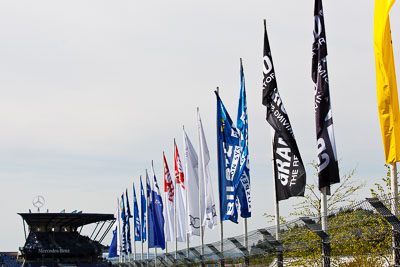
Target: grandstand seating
(9, 261)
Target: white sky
(92, 91)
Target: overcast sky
(92, 91)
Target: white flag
(207, 195)
(169, 202)
(192, 187)
(180, 198)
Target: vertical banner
(169, 202)
(328, 171)
(136, 218)
(180, 197)
(192, 187)
(288, 166)
(207, 194)
(128, 225)
(158, 215)
(243, 190)
(143, 207)
(388, 100)
(123, 219)
(229, 154)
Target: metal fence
(365, 233)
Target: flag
(207, 195)
(328, 170)
(158, 215)
(192, 187)
(136, 218)
(150, 213)
(123, 220)
(388, 102)
(169, 202)
(128, 225)
(229, 151)
(143, 208)
(289, 172)
(243, 190)
(180, 197)
(114, 246)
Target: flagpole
(277, 218)
(147, 222)
(200, 199)
(187, 212)
(395, 203)
(155, 256)
(175, 227)
(221, 222)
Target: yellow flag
(388, 101)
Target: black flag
(328, 171)
(289, 170)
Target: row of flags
(188, 202)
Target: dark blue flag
(243, 190)
(143, 207)
(123, 219)
(136, 219)
(150, 213)
(156, 205)
(128, 225)
(113, 251)
(229, 154)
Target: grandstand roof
(64, 219)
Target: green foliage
(341, 195)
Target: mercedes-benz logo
(38, 201)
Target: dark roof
(64, 219)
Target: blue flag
(123, 219)
(143, 207)
(156, 207)
(128, 225)
(136, 219)
(229, 154)
(150, 213)
(243, 189)
(113, 251)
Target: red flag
(168, 185)
(179, 176)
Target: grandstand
(54, 239)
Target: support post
(325, 244)
(324, 226)
(394, 222)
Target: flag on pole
(288, 166)
(209, 209)
(128, 225)
(388, 102)
(123, 220)
(192, 187)
(158, 215)
(229, 151)
(180, 197)
(115, 242)
(143, 207)
(136, 218)
(243, 191)
(150, 214)
(328, 170)
(169, 202)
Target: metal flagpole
(187, 218)
(147, 223)
(134, 245)
(395, 206)
(221, 222)
(155, 256)
(200, 199)
(277, 218)
(175, 228)
(324, 224)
